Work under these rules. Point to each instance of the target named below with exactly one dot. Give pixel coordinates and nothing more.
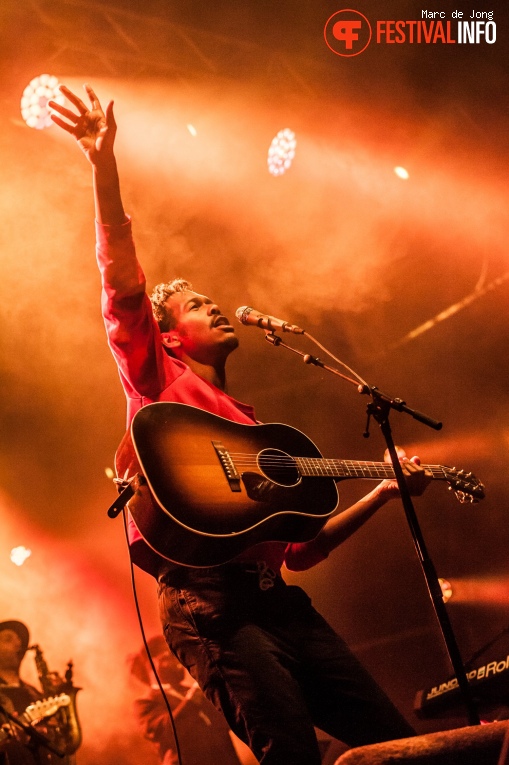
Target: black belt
(180, 576)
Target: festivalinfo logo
(349, 32)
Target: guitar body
(199, 509)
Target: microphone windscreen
(242, 313)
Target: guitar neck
(342, 469)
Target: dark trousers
(265, 657)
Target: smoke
(338, 244)
(76, 611)
(331, 229)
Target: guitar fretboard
(331, 468)
(276, 464)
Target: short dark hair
(158, 298)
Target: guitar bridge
(229, 468)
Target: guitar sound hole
(279, 467)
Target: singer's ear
(170, 340)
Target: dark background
(339, 245)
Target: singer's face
(203, 332)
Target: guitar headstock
(45, 708)
(465, 486)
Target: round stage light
(19, 555)
(281, 152)
(34, 102)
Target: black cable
(145, 643)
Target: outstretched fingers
(78, 103)
(93, 129)
(83, 110)
(63, 111)
(68, 113)
(96, 104)
(65, 125)
(109, 117)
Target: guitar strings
(319, 467)
(323, 460)
(285, 461)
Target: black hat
(21, 631)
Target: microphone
(249, 316)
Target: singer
(256, 646)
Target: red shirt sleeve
(300, 556)
(133, 333)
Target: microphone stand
(379, 408)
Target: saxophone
(67, 729)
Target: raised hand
(93, 128)
(95, 131)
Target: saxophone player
(14, 639)
(34, 730)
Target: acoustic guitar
(206, 489)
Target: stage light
(402, 173)
(192, 130)
(19, 555)
(281, 152)
(446, 588)
(34, 102)
(109, 472)
(486, 591)
(400, 452)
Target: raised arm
(133, 335)
(95, 131)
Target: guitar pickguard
(258, 488)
